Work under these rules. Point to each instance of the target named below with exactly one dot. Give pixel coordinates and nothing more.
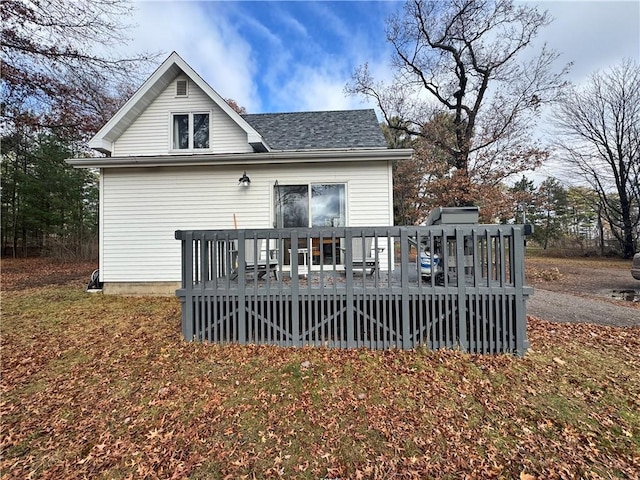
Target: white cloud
(309, 71)
(206, 41)
(594, 35)
(292, 23)
(330, 21)
(313, 88)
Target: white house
(175, 154)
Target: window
(190, 131)
(180, 132)
(200, 130)
(327, 207)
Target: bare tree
(237, 108)
(50, 49)
(599, 127)
(463, 58)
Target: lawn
(104, 387)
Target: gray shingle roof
(319, 130)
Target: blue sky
(294, 56)
(271, 56)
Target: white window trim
(191, 114)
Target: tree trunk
(547, 228)
(627, 228)
(25, 252)
(601, 230)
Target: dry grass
(610, 263)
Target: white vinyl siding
(143, 207)
(150, 133)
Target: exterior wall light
(244, 180)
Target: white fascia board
(101, 145)
(313, 156)
(106, 132)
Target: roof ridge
(312, 111)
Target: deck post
(404, 286)
(187, 321)
(462, 290)
(203, 324)
(348, 265)
(240, 330)
(295, 291)
(518, 283)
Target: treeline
(567, 217)
(47, 207)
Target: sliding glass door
(313, 205)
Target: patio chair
(256, 259)
(365, 259)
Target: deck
(357, 287)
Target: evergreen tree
(552, 197)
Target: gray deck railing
(295, 287)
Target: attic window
(181, 88)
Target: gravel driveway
(580, 290)
(564, 307)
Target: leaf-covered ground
(20, 273)
(104, 387)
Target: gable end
(164, 75)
